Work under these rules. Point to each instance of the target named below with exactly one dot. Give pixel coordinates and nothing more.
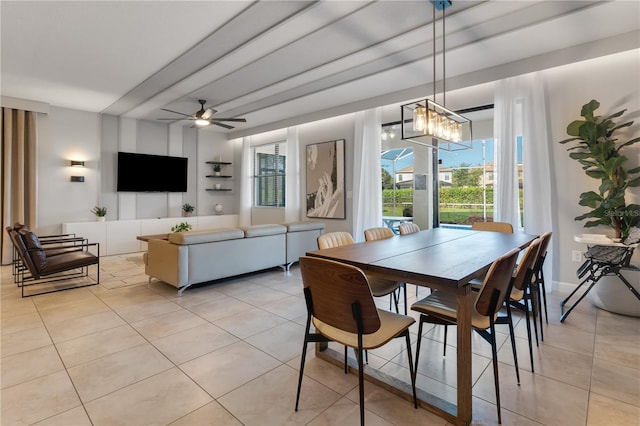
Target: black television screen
(151, 173)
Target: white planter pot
(101, 218)
(612, 295)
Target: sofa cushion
(32, 244)
(205, 236)
(263, 230)
(304, 226)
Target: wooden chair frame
(338, 297)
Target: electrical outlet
(576, 256)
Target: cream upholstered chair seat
(334, 239)
(408, 228)
(341, 306)
(392, 325)
(493, 226)
(442, 304)
(441, 308)
(379, 233)
(383, 233)
(379, 286)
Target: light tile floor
(228, 353)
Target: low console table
(146, 238)
(121, 236)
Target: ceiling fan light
(201, 122)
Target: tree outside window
(270, 175)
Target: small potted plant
(100, 213)
(187, 209)
(181, 227)
(217, 168)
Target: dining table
(439, 258)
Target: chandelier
(428, 123)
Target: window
(269, 171)
(466, 185)
(397, 194)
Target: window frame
(275, 176)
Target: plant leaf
(620, 126)
(573, 129)
(580, 155)
(587, 109)
(615, 115)
(631, 142)
(570, 139)
(596, 174)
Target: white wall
(214, 146)
(341, 127)
(64, 135)
(615, 82)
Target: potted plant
(217, 168)
(187, 209)
(100, 213)
(600, 153)
(182, 226)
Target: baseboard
(563, 287)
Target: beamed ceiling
(279, 63)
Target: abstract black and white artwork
(325, 180)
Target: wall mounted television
(151, 173)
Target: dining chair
(440, 308)
(493, 226)
(538, 290)
(408, 228)
(379, 286)
(521, 288)
(341, 307)
(383, 233)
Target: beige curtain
(18, 186)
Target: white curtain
(367, 186)
(521, 108)
(506, 128)
(292, 208)
(246, 173)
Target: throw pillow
(35, 249)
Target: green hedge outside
(450, 195)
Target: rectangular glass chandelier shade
(427, 123)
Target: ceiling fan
(204, 117)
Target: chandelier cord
(444, 81)
(433, 27)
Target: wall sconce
(77, 164)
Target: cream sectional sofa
(188, 258)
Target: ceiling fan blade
(175, 119)
(226, 126)
(238, 120)
(208, 113)
(176, 112)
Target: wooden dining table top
(440, 256)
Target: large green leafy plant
(599, 153)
